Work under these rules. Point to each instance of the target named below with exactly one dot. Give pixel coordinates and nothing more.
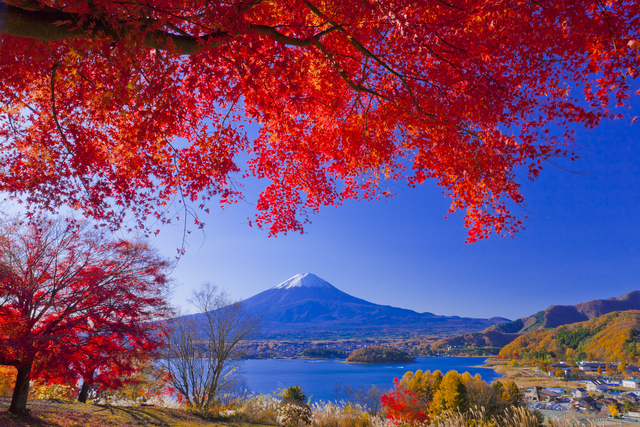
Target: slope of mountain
(557, 315)
(309, 304)
(613, 337)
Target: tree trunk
(84, 392)
(21, 389)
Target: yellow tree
(424, 384)
(613, 409)
(451, 396)
(482, 395)
(511, 394)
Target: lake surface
(318, 378)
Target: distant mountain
(613, 337)
(308, 306)
(501, 334)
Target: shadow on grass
(143, 417)
(7, 419)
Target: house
(631, 383)
(561, 365)
(593, 366)
(585, 404)
(537, 395)
(565, 368)
(597, 386)
(625, 397)
(579, 392)
(606, 402)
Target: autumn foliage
(613, 337)
(126, 107)
(404, 406)
(76, 305)
(421, 398)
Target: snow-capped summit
(306, 280)
(306, 306)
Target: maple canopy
(75, 304)
(116, 107)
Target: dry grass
(525, 377)
(57, 413)
(51, 413)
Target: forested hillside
(500, 334)
(477, 339)
(376, 355)
(613, 337)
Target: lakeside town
(567, 388)
(589, 388)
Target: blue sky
(580, 243)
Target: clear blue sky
(580, 243)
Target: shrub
(7, 380)
(294, 413)
(477, 417)
(262, 409)
(294, 394)
(331, 415)
(148, 385)
(52, 392)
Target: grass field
(525, 377)
(52, 413)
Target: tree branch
(47, 25)
(52, 25)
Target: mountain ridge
(309, 304)
(501, 334)
(613, 336)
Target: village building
(597, 386)
(539, 395)
(631, 383)
(579, 392)
(587, 403)
(625, 397)
(593, 366)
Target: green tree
(294, 394)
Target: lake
(318, 378)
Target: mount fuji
(306, 306)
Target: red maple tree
(73, 302)
(116, 107)
(404, 406)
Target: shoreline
(523, 376)
(379, 364)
